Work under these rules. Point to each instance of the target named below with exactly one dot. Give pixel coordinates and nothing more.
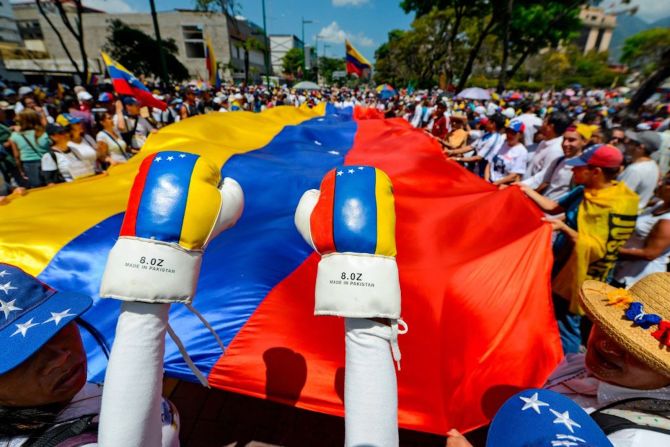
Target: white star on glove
(157, 159)
(7, 307)
(23, 327)
(351, 171)
(170, 158)
(57, 316)
(182, 156)
(564, 418)
(3, 273)
(7, 287)
(339, 173)
(533, 402)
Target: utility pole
(304, 47)
(267, 49)
(154, 16)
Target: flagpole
(164, 69)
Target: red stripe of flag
(321, 221)
(130, 219)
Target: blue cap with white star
(31, 313)
(544, 418)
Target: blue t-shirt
(563, 246)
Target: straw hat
(607, 306)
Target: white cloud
(651, 10)
(349, 2)
(112, 6)
(334, 34)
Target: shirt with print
(509, 160)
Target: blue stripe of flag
(117, 73)
(355, 210)
(161, 212)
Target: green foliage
(139, 53)
(327, 65)
(643, 50)
(292, 61)
(570, 66)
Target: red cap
(600, 155)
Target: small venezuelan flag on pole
(356, 63)
(212, 68)
(125, 83)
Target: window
(30, 29)
(194, 44)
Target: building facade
(189, 29)
(280, 44)
(597, 30)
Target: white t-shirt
(543, 158)
(559, 180)
(641, 177)
(530, 121)
(85, 152)
(142, 130)
(629, 271)
(115, 146)
(70, 165)
(509, 160)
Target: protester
(29, 144)
(62, 163)
(600, 216)
(558, 177)
(642, 174)
(133, 127)
(508, 164)
(82, 144)
(44, 397)
(648, 249)
(111, 147)
(549, 150)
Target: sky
(365, 23)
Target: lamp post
(304, 55)
(266, 53)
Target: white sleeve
(631, 177)
(518, 165)
(535, 180)
(130, 414)
(48, 163)
(370, 388)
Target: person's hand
(556, 224)
(118, 106)
(455, 439)
(503, 186)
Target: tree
(328, 65)
(229, 7)
(74, 27)
(250, 44)
(292, 61)
(649, 52)
(139, 52)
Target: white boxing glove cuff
(150, 271)
(357, 285)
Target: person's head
(457, 121)
(555, 125)
(573, 142)
(85, 99)
(620, 351)
(72, 123)
(617, 137)
(514, 132)
(28, 119)
(59, 135)
(642, 144)
(43, 360)
(131, 105)
(104, 121)
(597, 166)
(498, 121)
(29, 102)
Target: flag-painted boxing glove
(175, 208)
(351, 223)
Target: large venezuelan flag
(474, 266)
(125, 83)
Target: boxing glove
(350, 222)
(175, 208)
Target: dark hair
(69, 103)
(561, 121)
(610, 173)
(498, 120)
(99, 118)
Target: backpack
(636, 413)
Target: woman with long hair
(29, 144)
(111, 146)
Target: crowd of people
(602, 182)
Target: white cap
(25, 90)
(509, 113)
(238, 96)
(84, 96)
